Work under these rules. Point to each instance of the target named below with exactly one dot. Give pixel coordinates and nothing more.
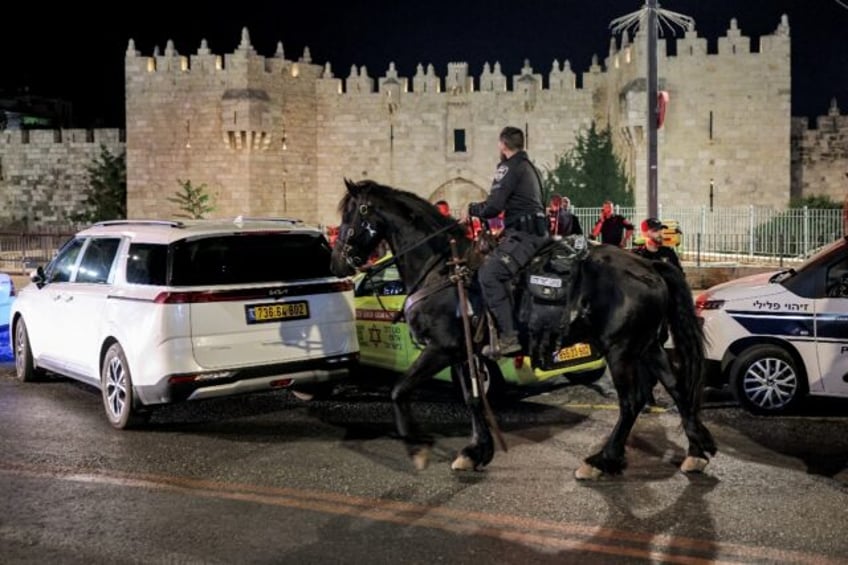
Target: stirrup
(496, 348)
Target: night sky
(67, 52)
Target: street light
(650, 18)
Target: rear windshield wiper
(782, 275)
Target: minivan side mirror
(38, 277)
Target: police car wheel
(765, 379)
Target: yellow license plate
(261, 313)
(575, 351)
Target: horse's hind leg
(687, 401)
(418, 446)
(626, 373)
(481, 450)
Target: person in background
(516, 191)
(561, 221)
(444, 208)
(612, 228)
(653, 247)
(654, 250)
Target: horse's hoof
(463, 463)
(694, 464)
(587, 472)
(421, 458)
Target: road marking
(525, 530)
(579, 406)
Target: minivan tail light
(199, 377)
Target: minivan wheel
(117, 388)
(25, 368)
(766, 380)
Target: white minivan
(776, 337)
(154, 312)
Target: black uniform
(563, 222)
(661, 254)
(516, 191)
(612, 229)
(667, 255)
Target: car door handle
(69, 297)
(57, 297)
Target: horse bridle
(365, 227)
(357, 262)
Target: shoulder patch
(501, 172)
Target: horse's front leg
(418, 446)
(481, 450)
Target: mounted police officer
(516, 191)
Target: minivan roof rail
(267, 219)
(172, 223)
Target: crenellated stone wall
(274, 136)
(820, 156)
(43, 173)
(727, 120)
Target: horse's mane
(412, 208)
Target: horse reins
(429, 266)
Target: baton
(476, 384)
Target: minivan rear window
(243, 258)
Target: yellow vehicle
(386, 344)
(671, 235)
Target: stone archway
(458, 192)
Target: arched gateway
(458, 192)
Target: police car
(386, 343)
(777, 337)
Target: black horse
(624, 303)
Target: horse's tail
(686, 331)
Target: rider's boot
(503, 345)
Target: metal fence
(21, 252)
(746, 235)
(740, 235)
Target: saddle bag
(547, 304)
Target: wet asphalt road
(272, 479)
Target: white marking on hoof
(694, 464)
(587, 472)
(421, 458)
(462, 463)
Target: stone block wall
(820, 156)
(727, 120)
(43, 173)
(273, 136)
